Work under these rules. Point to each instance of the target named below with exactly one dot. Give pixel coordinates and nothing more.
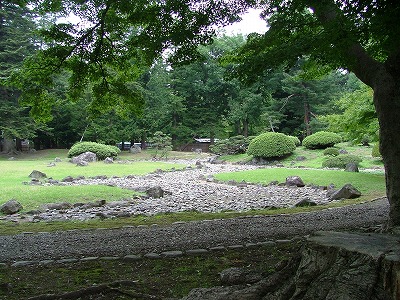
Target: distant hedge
(102, 151)
(271, 145)
(321, 140)
(341, 161)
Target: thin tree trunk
(307, 119)
(212, 137)
(174, 136)
(237, 128)
(245, 131)
(143, 140)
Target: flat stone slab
(132, 257)
(196, 251)
(373, 244)
(172, 253)
(152, 255)
(23, 263)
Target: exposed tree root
(106, 288)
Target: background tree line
(199, 99)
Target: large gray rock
(305, 203)
(108, 160)
(135, 149)
(294, 181)
(56, 206)
(37, 174)
(68, 179)
(346, 192)
(155, 192)
(84, 157)
(351, 167)
(11, 207)
(333, 265)
(215, 160)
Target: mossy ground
(163, 278)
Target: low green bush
(102, 151)
(321, 140)
(331, 151)
(234, 145)
(295, 140)
(375, 150)
(341, 161)
(271, 145)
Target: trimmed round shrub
(321, 140)
(271, 145)
(375, 150)
(341, 161)
(102, 151)
(234, 145)
(295, 140)
(331, 151)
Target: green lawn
(14, 173)
(367, 183)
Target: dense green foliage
(271, 145)
(375, 150)
(331, 151)
(118, 43)
(233, 145)
(358, 120)
(16, 42)
(321, 140)
(102, 151)
(341, 161)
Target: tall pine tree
(16, 43)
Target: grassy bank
(367, 183)
(15, 172)
(315, 158)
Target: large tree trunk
(384, 78)
(387, 103)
